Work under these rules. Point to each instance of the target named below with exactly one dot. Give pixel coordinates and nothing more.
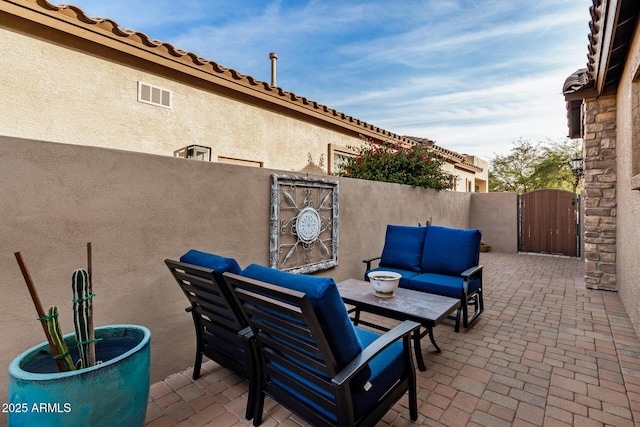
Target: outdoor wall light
(197, 152)
(576, 166)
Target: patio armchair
(222, 333)
(437, 260)
(312, 360)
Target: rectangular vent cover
(154, 95)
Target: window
(154, 95)
(242, 162)
(337, 157)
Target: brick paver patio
(546, 352)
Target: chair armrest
(189, 309)
(368, 262)
(470, 272)
(373, 349)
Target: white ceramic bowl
(384, 282)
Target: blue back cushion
(214, 262)
(403, 247)
(450, 250)
(327, 304)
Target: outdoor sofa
(437, 260)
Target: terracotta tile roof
(455, 158)
(212, 68)
(611, 27)
(610, 36)
(576, 81)
(209, 70)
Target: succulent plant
(81, 315)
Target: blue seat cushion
(450, 250)
(403, 247)
(440, 284)
(404, 280)
(214, 262)
(386, 368)
(327, 304)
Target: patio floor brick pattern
(546, 352)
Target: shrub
(416, 165)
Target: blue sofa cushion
(404, 280)
(214, 262)
(403, 247)
(450, 286)
(450, 250)
(327, 304)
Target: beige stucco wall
(138, 209)
(496, 214)
(94, 102)
(628, 200)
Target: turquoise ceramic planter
(113, 393)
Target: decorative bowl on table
(384, 283)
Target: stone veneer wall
(599, 193)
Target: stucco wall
(628, 200)
(94, 102)
(138, 209)
(496, 214)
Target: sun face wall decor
(303, 224)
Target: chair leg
(413, 397)
(197, 364)
(253, 377)
(465, 312)
(478, 305)
(251, 400)
(258, 406)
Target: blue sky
(473, 75)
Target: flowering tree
(390, 162)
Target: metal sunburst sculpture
(305, 239)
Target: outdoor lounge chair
(312, 360)
(222, 333)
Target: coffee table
(422, 307)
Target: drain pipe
(273, 57)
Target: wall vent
(154, 95)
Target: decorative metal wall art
(304, 224)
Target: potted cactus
(90, 377)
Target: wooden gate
(549, 222)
